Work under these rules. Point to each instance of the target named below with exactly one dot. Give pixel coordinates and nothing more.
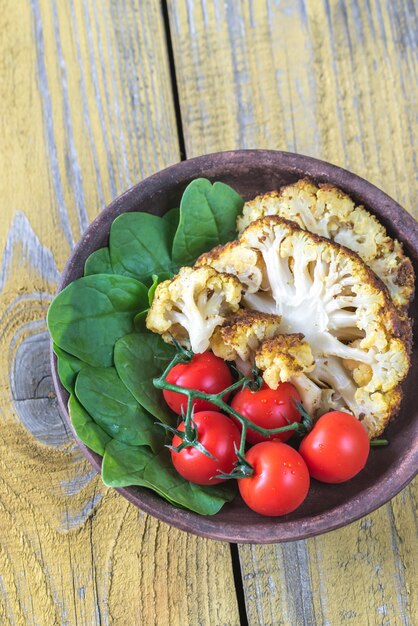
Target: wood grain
(338, 81)
(86, 110)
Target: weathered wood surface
(86, 110)
(335, 80)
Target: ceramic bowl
(327, 507)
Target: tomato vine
(190, 436)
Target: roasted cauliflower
(327, 211)
(241, 334)
(324, 291)
(234, 259)
(192, 304)
(283, 358)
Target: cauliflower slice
(192, 304)
(324, 291)
(327, 211)
(241, 334)
(327, 386)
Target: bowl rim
(283, 530)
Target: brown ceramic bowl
(327, 507)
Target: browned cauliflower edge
(326, 292)
(329, 212)
(240, 336)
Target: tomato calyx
(185, 354)
(188, 436)
(189, 440)
(306, 422)
(255, 382)
(242, 468)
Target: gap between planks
(235, 559)
(174, 84)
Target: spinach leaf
(140, 321)
(207, 218)
(140, 357)
(113, 407)
(140, 245)
(68, 367)
(151, 290)
(157, 279)
(172, 218)
(90, 314)
(98, 263)
(86, 428)
(140, 318)
(125, 465)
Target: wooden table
(96, 95)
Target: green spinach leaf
(140, 245)
(98, 263)
(151, 290)
(113, 407)
(140, 318)
(125, 465)
(208, 215)
(172, 218)
(90, 314)
(157, 279)
(140, 321)
(86, 428)
(140, 357)
(68, 367)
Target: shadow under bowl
(327, 507)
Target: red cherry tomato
(268, 408)
(337, 447)
(280, 482)
(219, 436)
(205, 372)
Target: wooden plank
(338, 81)
(86, 111)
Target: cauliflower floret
(378, 406)
(385, 368)
(241, 334)
(192, 304)
(326, 292)
(232, 258)
(284, 357)
(329, 212)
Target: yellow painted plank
(85, 111)
(338, 81)
(335, 80)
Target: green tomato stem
(243, 439)
(216, 399)
(189, 429)
(242, 468)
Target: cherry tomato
(280, 482)
(219, 436)
(337, 447)
(205, 372)
(268, 408)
